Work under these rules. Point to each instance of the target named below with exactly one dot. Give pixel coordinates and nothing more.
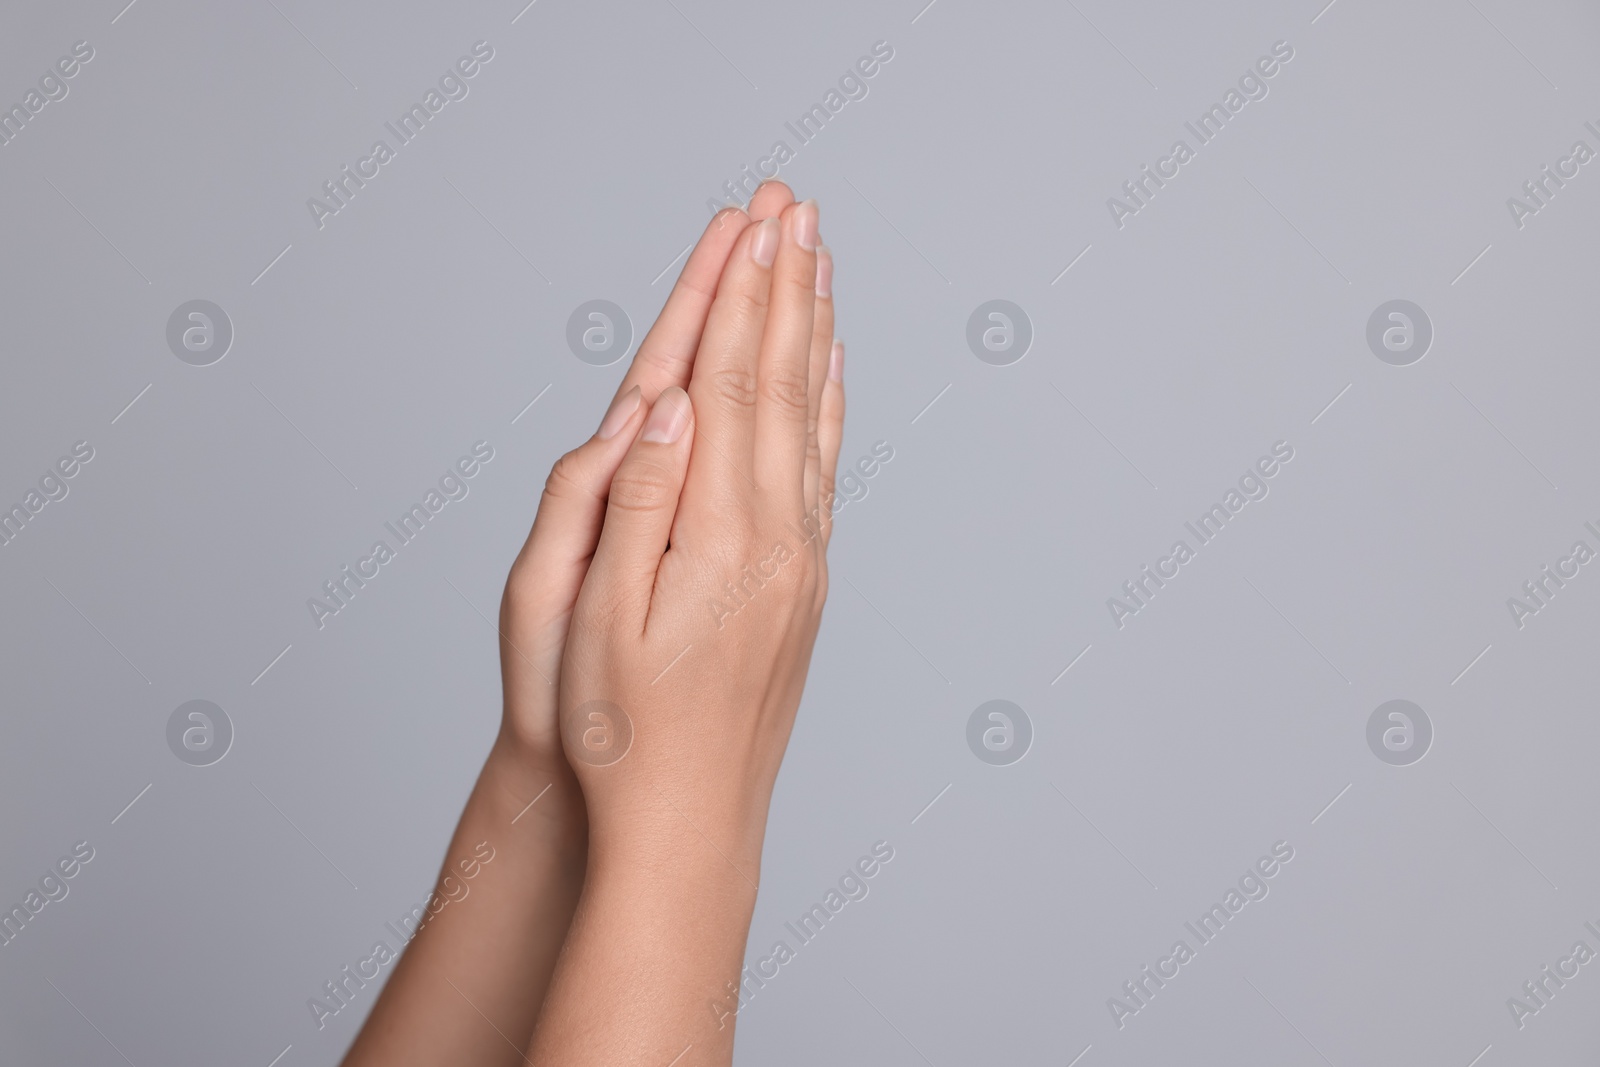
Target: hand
(692, 633)
(478, 971)
(700, 609)
(543, 584)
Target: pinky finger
(830, 432)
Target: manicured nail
(668, 418)
(617, 416)
(805, 225)
(764, 246)
(836, 362)
(824, 271)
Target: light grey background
(1223, 317)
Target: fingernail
(824, 271)
(617, 416)
(836, 362)
(764, 246)
(805, 225)
(668, 418)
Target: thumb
(642, 505)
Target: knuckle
(642, 486)
(735, 386)
(747, 301)
(566, 480)
(785, 388)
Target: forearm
(468, 987)
(654, 953)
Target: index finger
(666, 355)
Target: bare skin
(729, 482)
(469, 988)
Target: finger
(830, 432)
(666, 356)
(723, 386)
(769, 201)
(642, 505)
(821, 353)
(551, 566)
(784, 367)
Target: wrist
(535, 791)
